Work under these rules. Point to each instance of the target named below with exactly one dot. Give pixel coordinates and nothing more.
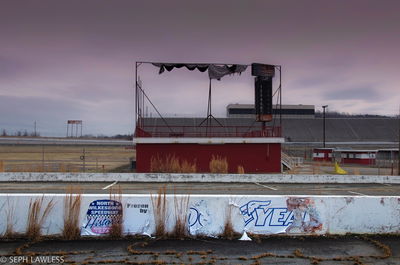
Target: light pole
(323, 116)
(398, 153)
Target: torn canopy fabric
(214, 71)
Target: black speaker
(263, 98)
(265, 70)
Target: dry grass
(187, 167)
(240, 170)
(23, 158)
(37, 216)
(116, 228)
(181, 206)
(159, 203)
(62, 167)
(72, 207)
(228, 232)
(171, 164)
(1, 166)
(316, 168)
(356, 171)
(10, 214)
(218, 164)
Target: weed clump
(181, 206)
(37, 216)
(72, 207)
(10, 211)
(218, 164)
(171, 164)
(116, 228)
(228, 232)
(159, 203)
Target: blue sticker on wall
(101, 215)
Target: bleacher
(300, 130)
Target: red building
(362, 157)
(322, 154)
(256, 151)
(345, 156)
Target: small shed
(352, 156)
(322, 154)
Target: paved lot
(209, 188)
(269, 250)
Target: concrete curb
(165, 177)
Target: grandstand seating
(303, 130)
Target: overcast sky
(63, 60)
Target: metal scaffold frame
(141, 97)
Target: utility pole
(398, 152)
(323, 116)
(34, 125)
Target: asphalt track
(207, 188)
(323, 250)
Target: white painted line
(357, 193)
(108, 186)
(268, 187)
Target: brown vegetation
(187, 167)
(10, 211)
(181, 205)
(37, 216)
(356, 171)
(63, 158)
(240, 169)
(171, 164)
(72, 207)
(218, 164)
(228, 232)
(159, 203)
(116, 228)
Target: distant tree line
(336, 114)
(117, 136)
(25, 133)
(20, 133)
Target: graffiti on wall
(100, 216)
(199, 217)
(299, 215)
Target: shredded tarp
(217, 72)
(214, 71)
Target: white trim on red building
(203, 140)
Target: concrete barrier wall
(165, 177)
(207, 214)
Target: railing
(207, 131)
